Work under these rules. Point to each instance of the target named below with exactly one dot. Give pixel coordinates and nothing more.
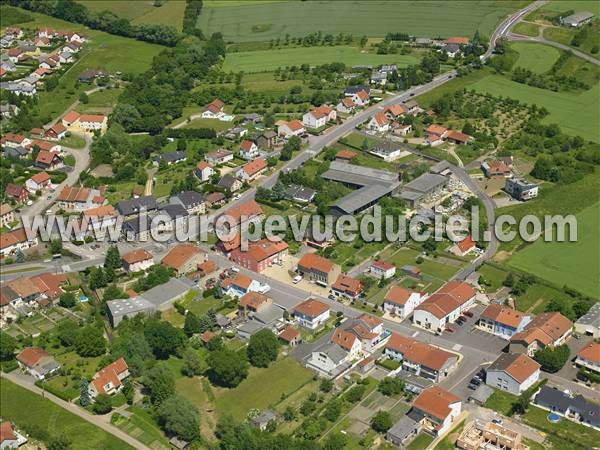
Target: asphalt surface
(542, 40)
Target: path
(150, 181)
(453, 153)
(99, 421)
(186, 121)
(72, 106)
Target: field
(45, 417)
(141, 11)
(538, 58)
(527, 29)
(265, 60)
(572, 111)
(576, 5)
(575, 264)
(262, 21)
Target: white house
(203, 171)
(401, 302)
(328, 360)
(289, 129)
(360, 98)
(248, 150)
(109, 380)
(348, 341)
(37, 362)
(379, 122)
(445, 306)
(502, 321)
(512, 373)
(38, 182)
(346, 105)
(137, 260)
(437, 409)
(318, 117)
(240, 285)
(15, 240)
(369, 330)
(214, 110)
(311, 313)
(589, 357)
(382, 270)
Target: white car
(29, 202)
(297, 279)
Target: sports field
(266, 60)
(538, 58)
(260, 21)
(572, 111)
(575, 264)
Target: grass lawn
(538, 58)
(527, 29)
(141, 426)
(565, 35)
(458, 83)
(72, 363)
(573, 433)
(263, 388)
(217, 125)
(501, 402)
(537, 297)
(73, 141)
(266, 60)
(100, 101)
(492, 275)
(170, 13)
(573, 111)
(420, 442)
(254, 21)
(31, 412)
(576, 264)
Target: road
(542, 40)
(82, 162)
(99, 421)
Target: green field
(538, 58)
(31, 412)
(527, 29)
(260, 21)
(170, 13)
(266, 60)
(572, 111)
(576, 264)
(575, 5)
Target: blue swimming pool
(553, 417)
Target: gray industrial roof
(358, 175)
(403, 428)
(358, 199)
(164, 293)
(426, 183)
(592, 317)
(128, 306)
(578, 17)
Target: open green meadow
(260, 21)
(170, 13)
(572, 111)
(575, 264)
(576, 5)
(527, 29)
(31, 412)
(266, 60)
(538, 58)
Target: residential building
(329, 360)
(219, 157)
(14, 140)
(445, 306)
(229, 182)
(203, 171)
(436, 409)
(137, 260)
(191, 201)
(513, 373)
(93, 122)
(502, 321)
(184, 258)
(463, 247)
(369, 330)
(419, 358)
(262, 420)
(215, 199)
(477, 435)
(252, 170)
(37, 362)
(451, 49)
(387, 150)
(7, 215)
(402, 130)
(16, 240)
(289, 129)
(300, 194)
(348, 341)
(318, 269)
(18, 193)
(171, 158)
(290, 336)
(589, 323)
(80, 198)
(379, 123)
(240, 284)
(252, 302)
(459, 40)
(241, 216)
(319, 117)
(48, 160)
(345, 155)
(589, 357)
(575, 408)
(521, 189)
(45, 146)
(547, 329)
(214, 110)
(347, 287)
(109, 380)
(346, 105)
(101, 217)
(382, 270)
(456, 137)
(38, 182)
(134, 206)
(248, 150)
(496, 168)
(267, 140)
(260, 254)
(400, 302)
(9, 437)
(361, 98)
(395, 111)
(311, 314)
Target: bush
(552, 360)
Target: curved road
(542, 40)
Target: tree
(382, 421)
(289, 414)
(355, 393)
(335, 441)
(164, 338)
(102, 404)
(67, 300)
(97, 278)
(84, 394)
(67, 332)
(227, 368)
(178, 416)
(55, 247)
(8, 345)
(128, 390)
(192, 363)
(391, 386)
(553, 359)
(333, 410)
(326, 385)
(59, 442)
(262, 348)
(191, 324)
(113, 258)
(90, 341)
(160, 382)
(509, 281)
(83, 98)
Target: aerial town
(125, 125)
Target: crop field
(575, 264)
(260, 21)
(538, 58)
(142, 11)
(266, 60)
(572, 111)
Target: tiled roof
(419, 352)
(110, 374)
(436, 402)
(137, 256)
(503, 314)
(343, 338)
(179, 255)
(311, 261)
(289, 333)
(30, 356)
(311, 308)
(591, 352)
(520, 367)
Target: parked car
(297, 279)
(468, 313)
(497, 420)
(475, 381)
(472, 386)
(449, 330)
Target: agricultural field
(527, 29)
(143, 11)
(266, 60)
(574, 264)
(538, 58)
(573, 111)
(41, 416)
(262, 21)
